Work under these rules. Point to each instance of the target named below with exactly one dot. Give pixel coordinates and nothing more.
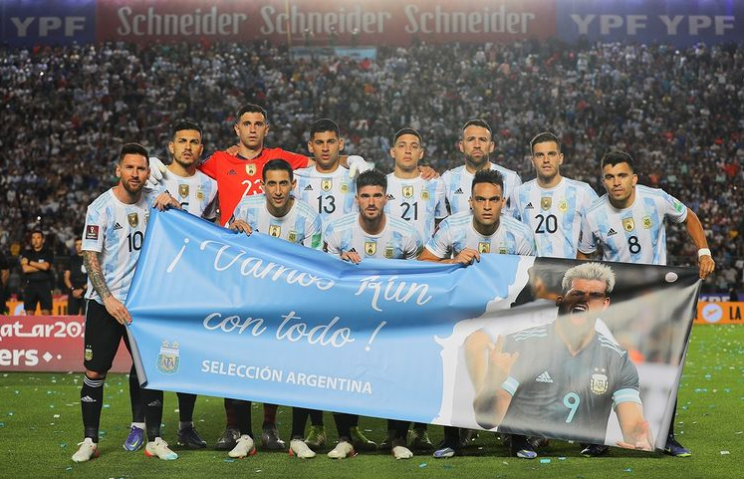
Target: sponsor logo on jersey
(425, 195)
(563, 206)
(168, 358)
(599, 383)
(275, 230)
(407, 191)
(183, 191)
(133, 219)
(647, 222)
(546, 202)
(250, 168)
(612, 232)
(544, 378)
(628, 224)
(459, 192)
(529, 206)
(326, 184)
(344, 188)
(484, 247)
(370, 248)
(389, 252)
(91, 232)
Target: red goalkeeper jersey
(237, 176)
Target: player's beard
(133, 190)
(478, 163)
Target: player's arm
(466, 257)
(706, 265)
(4, 276)
(114, 307)
(241, 226)
(68, 282)
(493, 400)
(584, 256)
(636, 430)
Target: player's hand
(165, 201)
(241, 226)
(641, 437)
(77, 293)
(357, 165)
(157, 170)
(706, 266)
(233, 150)
(24, 261)
(467, 257)
(116, 309)
(352, 256)
(499, 363)
(427, 172)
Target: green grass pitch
(40, 425)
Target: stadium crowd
(67, 110)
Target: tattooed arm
(114, 307)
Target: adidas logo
(544, 378)
(459, 191)
(117, 226)
(309, 188)
(87, 399)
(231, 173)
(612, 232)
(529, 206)
(390, 197)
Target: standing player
(627, 225)
(76, 278)
(462, 238)
(370, 234)
(410, 197)
(36, 264)
(197, 194)
(477, 145)
(115, 226)
(275, 213)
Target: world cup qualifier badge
(168, 358)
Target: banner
(48, 344)
(257, 318)
(720, 312)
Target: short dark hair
(479, 123)
(545, 137)
(407, 131)
(616, 157)
(252, 108)
(371, 178)
(33, 232)
(323, 125)
(488, 176)
(133, 149)
(277, 165)
(186, 125)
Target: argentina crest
(599, 383)
(168, 358)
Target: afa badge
(88, 354)
(628, 224)
(563, 206)
(389, 252)
(168, 358)
(424, 195)
(647, 222)
(344, 188)
(292, 237)
(599, 383)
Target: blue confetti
(628, 470)
(229, 460)
(544, 461)
(422, 465)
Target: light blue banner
(257, 318)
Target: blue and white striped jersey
(418, 201)
(116, 230)
(197, 194)
(636, 234)
(301, 225)
(398, 239)
(330, 194)
(456, 232)
(555, 214)
(459, 181)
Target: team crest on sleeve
(599, 382)
(91, 232)
(275, 230)
(370, 248)
(484, 247)
(546, 202)
(425, 195)
(563, 206)
(168, 358)
(133, 219)
(628, 224)
(326, 184)
(250, 168)
(647, 222)
(183, 191)
(407, 191)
